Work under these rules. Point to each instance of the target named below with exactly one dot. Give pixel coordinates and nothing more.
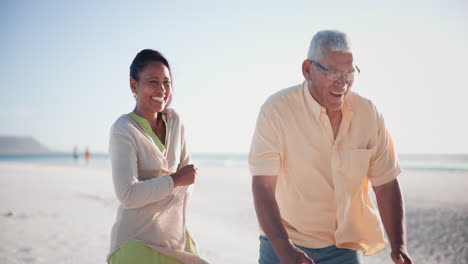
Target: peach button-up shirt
(323, 182)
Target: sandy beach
(63, 214)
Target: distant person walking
(152, 172)
(75, 154)
(87, 154)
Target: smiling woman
(150, 81)
(152, 172)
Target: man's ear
(306, 66)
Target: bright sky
(64, 65)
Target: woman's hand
(185, 176)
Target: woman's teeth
(159, 99)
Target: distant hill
(10, 145)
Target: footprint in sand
(28, 259)
(25, 250)
(8, 214)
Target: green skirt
(137, 252)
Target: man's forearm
(392, 212)
(268, 215)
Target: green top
(145, 125)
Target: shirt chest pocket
(355, 166)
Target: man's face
(329, 93)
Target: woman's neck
(150, 117)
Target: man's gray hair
(332, 40)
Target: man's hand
(400, 256)
(268, 214)
(392, 213)
(295, 256)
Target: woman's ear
(133, 85)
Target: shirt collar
(146, 127)
(143, 122)
(316, 108)
(347, 109)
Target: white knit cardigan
(152, 211)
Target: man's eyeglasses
(333, 76)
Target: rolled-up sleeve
(131, 192)
(265, 150)
(384, 164)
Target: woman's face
(153, 89)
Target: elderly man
(315, 149)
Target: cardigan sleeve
(185, 158)
(131, 192)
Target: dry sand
(64, 213)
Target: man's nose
(342, 81)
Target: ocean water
(434, 161)
(455, 162)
